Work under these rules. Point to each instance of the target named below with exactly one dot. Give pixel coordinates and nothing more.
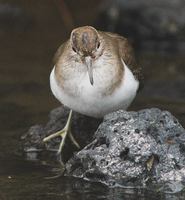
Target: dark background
(30, 33)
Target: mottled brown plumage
(113, 45)
(126, 52)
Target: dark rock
(13, 17)
(83, 129)
(152, 24)
(133, 148)
(173, 90)
(129, 148)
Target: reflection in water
(25, 179)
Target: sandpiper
(94, 74)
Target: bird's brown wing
(127, 54)
(59, 52)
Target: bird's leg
(63, 133)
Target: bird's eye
(98, 45)
(74, 49)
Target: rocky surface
(131, 148)
(83, 129)
(146, 22)
(128, 148)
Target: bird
(94, 73)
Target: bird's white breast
(90, 100)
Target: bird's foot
(63, 134)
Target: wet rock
(146, 21)
(133, 148)
(173, 90)
(13, 17)
(83, 129)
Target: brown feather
(58, 53)
(115, 47)
(126, 52)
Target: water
(24, 180)
(25, 64)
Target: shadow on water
(26, 99)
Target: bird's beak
(88, 62)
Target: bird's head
(86, 42)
